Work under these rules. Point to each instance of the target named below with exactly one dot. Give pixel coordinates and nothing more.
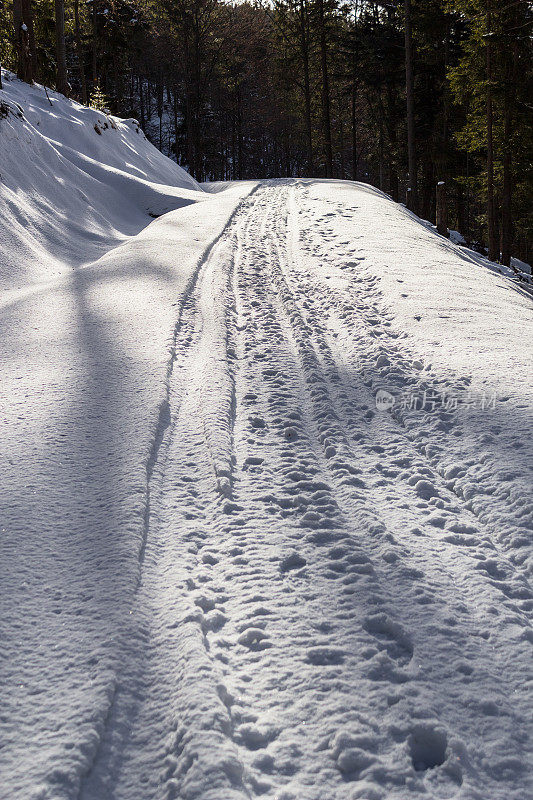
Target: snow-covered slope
(75, 182)
(265, 469)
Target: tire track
(112, 772)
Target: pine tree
(493, 79)
(98, 100)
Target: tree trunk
(197, 130)
(160, 96)
(461, 217)
(341, 149)
(426, 200)
(79, 49)
(27, 16)
(24, 40)
(141, 101)
(507, 222)
(190, 122)
(326, 115)
(509, 102)
(390, 121)
(442, 209)
(118, 83)
(95, 51)
(61, 54)
(18, 40)
(175, 110)
(304, 48)
(491, 215)
(240, 172)
(381, 154)
(394, 189)
(354, 131)
(409, 91)
(354, 111)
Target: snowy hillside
(265, 498)
(75, 182)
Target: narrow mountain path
(324, 613)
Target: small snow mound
(353, 761)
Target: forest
(407, 95)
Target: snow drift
(75, 182)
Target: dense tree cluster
(403, 94)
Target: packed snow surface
(266, 489)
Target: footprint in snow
(292, 561)
(325, 656)
(256, 737)
(391, 635)
(427, 745)
(382, 669)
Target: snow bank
(75, 182)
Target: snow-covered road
(266, 455)
(333, 599)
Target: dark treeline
(402, 94)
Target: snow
(266, 469)
(457, 238)
(521, 267)
(71, 194)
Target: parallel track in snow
(301, 634)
